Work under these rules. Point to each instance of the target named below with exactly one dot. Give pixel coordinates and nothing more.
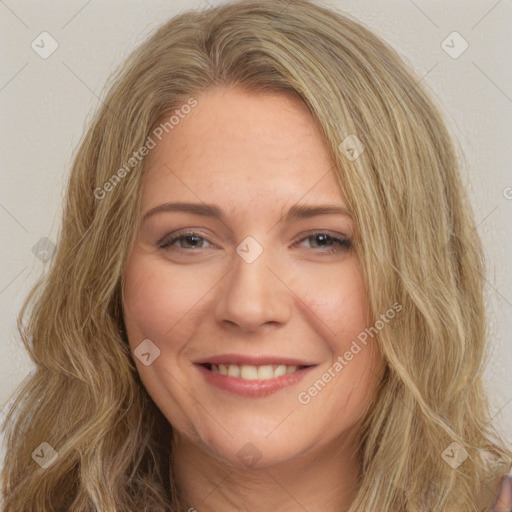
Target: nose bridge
(252, 295)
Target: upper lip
(259, 360)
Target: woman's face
(266, 284)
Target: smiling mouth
(251, 372)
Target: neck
(318, 479)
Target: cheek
(336, 297)
(158, 302)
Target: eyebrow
(296, 212)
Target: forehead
(237, 146)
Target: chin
(252, 449)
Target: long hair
(415, 237)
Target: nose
(254, 295)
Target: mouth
(253, 372)
(252, 381)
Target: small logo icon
(352, 147)
(454, 45)
(45, 455)
(249, 454)
(249, 250)
(44, 45)
(147, 352)
(454, 455)
(44, 249)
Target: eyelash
(343, 243)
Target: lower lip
(252, 388)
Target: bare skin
(254, 156)
(503, 499)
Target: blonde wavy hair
(415, 237)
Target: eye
(186, 240)
(327, 242)
(321, 241)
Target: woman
(267, 294)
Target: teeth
(265, 372)
(233, 370)
(249, 372)
(280, 370)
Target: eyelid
(342, 241)
(332, 234)
(168, 239)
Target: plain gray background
(46, 102)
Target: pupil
(192, 240)
(321, 239)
